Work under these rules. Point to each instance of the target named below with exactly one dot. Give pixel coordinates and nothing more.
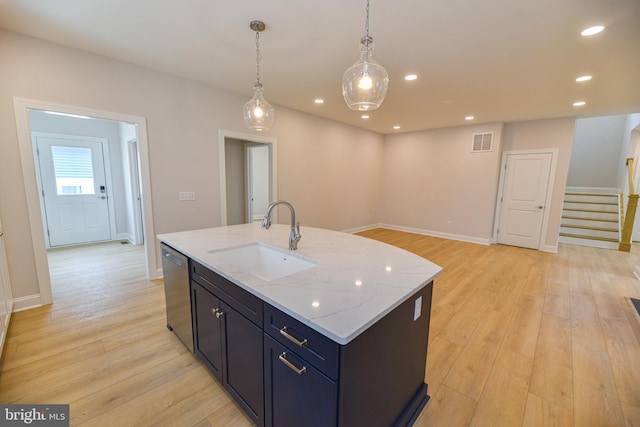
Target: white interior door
(74, 190)
(257, 181)
(524, 197)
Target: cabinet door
(243, 375)
(296, 393)
(208, 329)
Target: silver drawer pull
(217, 312)
(294, 368)
(291, 338)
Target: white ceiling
(498, 60)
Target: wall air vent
(482, 142)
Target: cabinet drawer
(242, 301)
(296, 394)
(314, 347)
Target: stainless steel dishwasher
(175, 269)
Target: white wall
(631, 149)
(598, 147)
(183, 121)
(433, 182)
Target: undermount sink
(262, 261)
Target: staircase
(591, 219)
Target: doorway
(75, 186)
(35, 205)
(247, 176)
(525, 194)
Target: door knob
(102, 197)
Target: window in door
(73, 169)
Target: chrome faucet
(294, 236)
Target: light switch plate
(417, 308)
(186, 195)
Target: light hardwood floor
(517, 338)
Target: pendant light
(365, 83)
(258, 113)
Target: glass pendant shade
(365, 83)
(257, 112)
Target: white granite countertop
(356, 282)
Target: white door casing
(273, 184)
(136, 192)
(524, 198)
(76, 209)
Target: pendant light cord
(366, 40)
(258, 58)
(366, 25)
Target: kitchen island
(341, 340)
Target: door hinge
(43, 193)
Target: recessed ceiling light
(319, 101)
(365, 116)
(579, 103)
(410, 77)
(469, 118)
(592, 30)
(396, 127)
(584, 78)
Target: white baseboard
(26, 302)
(361, 229)
(550, 248)
(126, 236)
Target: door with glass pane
(74, 191)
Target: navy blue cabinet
(283, 373)
(296, 393)
(377, 379)
(208, 331)
(228, 343)
(243, 374)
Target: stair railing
(630, 215)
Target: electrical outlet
(186, 195)
(417, 308)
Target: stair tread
(586, 227)
(593, 194)
(590, 218)
(591, 202)
(577, 236)
(591, 210)
(591, 205)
